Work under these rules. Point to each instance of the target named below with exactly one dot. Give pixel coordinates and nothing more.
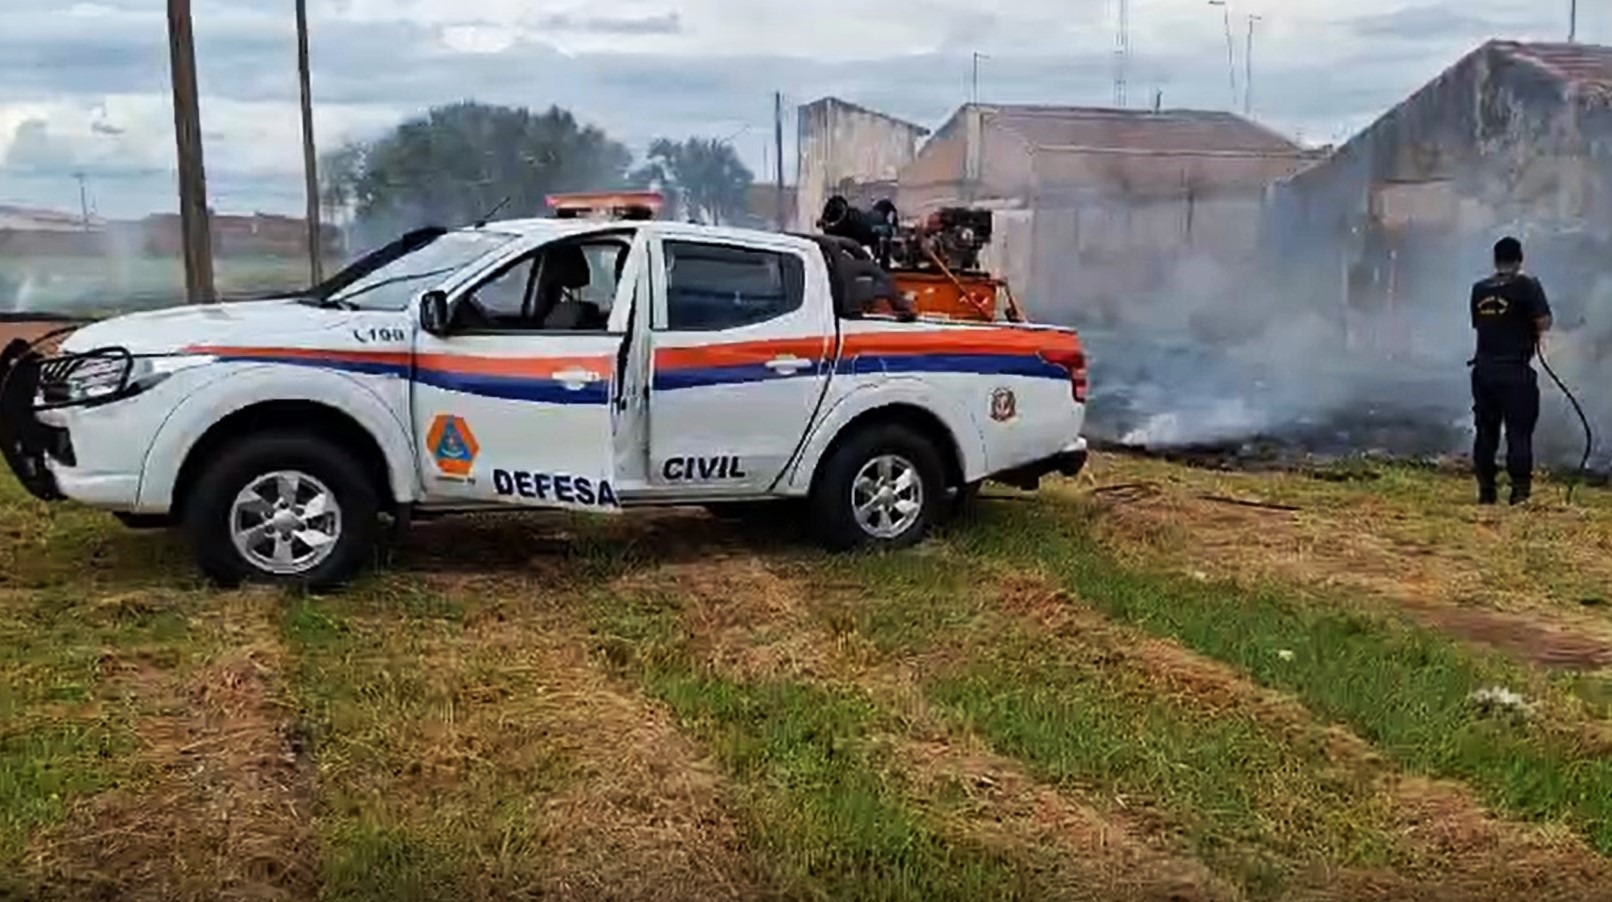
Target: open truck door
(514, 375)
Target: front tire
(883, 488)
(284, 508)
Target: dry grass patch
(1448, 846)
(754, 620)
(224, 810)
(645, 813)
(1075, 850)
(743, 617)
(473, 750)
(1518, 581)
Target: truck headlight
(102, 378)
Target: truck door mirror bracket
(434, 313)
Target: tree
(455, 163)
(704, 176)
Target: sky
(84, 85)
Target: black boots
(1521, 491)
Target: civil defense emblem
(453, 446)
(1004, 405)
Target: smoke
(1258, 349)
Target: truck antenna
(493, 212)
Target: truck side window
(712, 287)
(564, 287)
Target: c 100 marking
(380, 334)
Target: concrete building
(841, 145)
(1099, 208)
(32, 232)
(1513, 138)
(761, 206)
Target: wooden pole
(195, 229)
(310, 159)
(778, 154)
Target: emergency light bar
(606, 205)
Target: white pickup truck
(539, 364)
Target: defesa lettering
(560, 487)
(703, 469)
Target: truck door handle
(788, 365)
(576, 380)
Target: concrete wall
(1409, 207)
(839, 141)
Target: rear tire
(883, 488)
(963, 501)
(285, 508)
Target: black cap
(1508, 250)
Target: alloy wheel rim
(285, 523)
(887, 496)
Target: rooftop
(1166, 130)
(38, 219)
(858, 108)
(1587, 64)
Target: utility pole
(1248, 61)
(194, 225)
(1231, 53)
(1572, 23)
(310, 159)
(778, 153)
(1122, 50)
(83, 201)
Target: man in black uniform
(1510, 314)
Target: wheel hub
(285, 523)
(887, 496)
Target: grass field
(103, 286)
(1151, 683)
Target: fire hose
(1589, 433)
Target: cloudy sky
(83, 85)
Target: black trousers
(1505, 395)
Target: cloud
(33, 147)
(661, 24)
(1419, 23)
(96, 74)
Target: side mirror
(434, 313)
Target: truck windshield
(392, 286)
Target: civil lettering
(703, 469)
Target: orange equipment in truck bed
(970, 296)
(934, 262)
